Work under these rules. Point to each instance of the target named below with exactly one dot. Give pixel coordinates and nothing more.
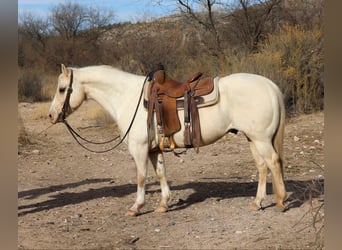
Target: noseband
(66, 106)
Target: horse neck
(116, 91)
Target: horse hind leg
(262, 173)
(276, 167)
(274, 163)
(157, 159)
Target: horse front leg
(140, 156)
(157, 159)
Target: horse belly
(213, 125)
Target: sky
(124, 10)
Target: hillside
(281, 42)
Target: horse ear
(64, 69)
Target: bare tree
(206, 20)
(34, 28)
(71, 34)
(99, 22)
(232, 23)
(79, 28)
(250, 21)
(33, 36)
(68, 19)
(71, 19)
(304, 13)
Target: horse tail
(278, 137)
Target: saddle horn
(158, 67)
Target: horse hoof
(161, 209)
(280, 208)
(254, 207)
(131, 213)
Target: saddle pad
(202, 101)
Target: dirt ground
(69, 198)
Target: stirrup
(170, 147)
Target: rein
(78, 137)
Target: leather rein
(67, 109)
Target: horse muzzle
(57, 117)
(54, 118)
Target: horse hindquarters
(255, 107)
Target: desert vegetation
(280, 39)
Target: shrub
(34, 86)
(29, 87)
(23, 137)
(293, 58)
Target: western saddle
(165, 95)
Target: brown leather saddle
(165, 95)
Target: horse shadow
(34, 193)
(301, 191)
(60, 199)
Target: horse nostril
(50, 116)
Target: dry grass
(35, 86)
(49, 86)
(23, 137)
(293, 59)
(312, 193)
(41, 111)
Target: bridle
(67, 109)
(66, 106)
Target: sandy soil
(69, 198)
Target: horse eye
(61, 90)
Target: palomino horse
(248, 103)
